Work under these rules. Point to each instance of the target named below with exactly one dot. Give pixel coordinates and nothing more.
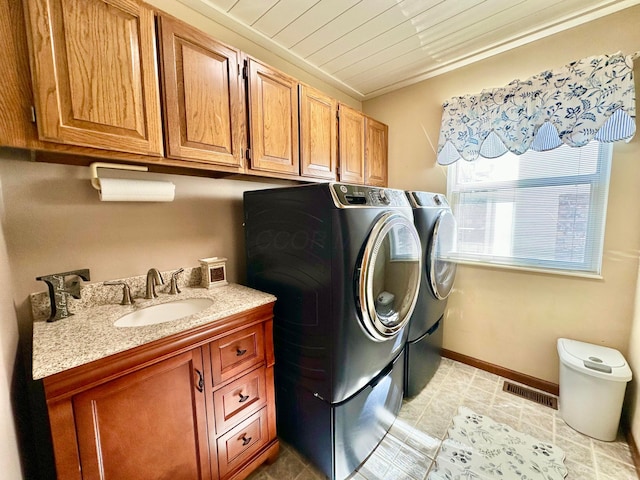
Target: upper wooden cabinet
(94, 74)
(351, 131)
(203, 96)
(376, 148)
(318, 152)
(96, 90)
(273, 113)
(363, 148)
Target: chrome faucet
(153, 278)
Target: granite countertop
(90, 333)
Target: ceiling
(370, 47)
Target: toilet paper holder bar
(95, 180)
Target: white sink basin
(164, 312)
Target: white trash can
(592, 384)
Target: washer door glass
(389, 278)
(441, 271)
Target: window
(539, 210)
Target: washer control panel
(347, 195)
(427, 199)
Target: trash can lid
(595, 360)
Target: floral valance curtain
(593, 98)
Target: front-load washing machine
(344, 262)
(436, 227)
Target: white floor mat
(476, 447)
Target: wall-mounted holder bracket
(95, 180)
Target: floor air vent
(533, 395)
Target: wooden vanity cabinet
(203, 96)
(165, 410)
(94, 72)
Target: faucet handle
(173, 289)
(126, 291)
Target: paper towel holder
(95, 180)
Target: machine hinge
(33, 114)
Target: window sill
(545, 271)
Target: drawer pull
(245, 440)
(239, 352)
(243, 398)
(200, 385)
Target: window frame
(599, 181)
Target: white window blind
(538, 210)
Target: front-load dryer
(436, 227)
(344, 262)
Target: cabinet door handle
(200, 385)
(239, 352)
(243, 398)
(245, 440)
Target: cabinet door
(375, 165)
(273, 109)
(94, 74)
(317, 134)
(351, 141)
(148, 424)
(203, 97)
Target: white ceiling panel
(357, 15)
(370, 47)
(407, 37)
(282, 14)
(320, 14)
(363, 34)
(249, 11)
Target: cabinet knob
(240, 352)
(243, 398)
(245, 440)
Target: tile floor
(408, 450)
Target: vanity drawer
(235, 353)
(239, 399)
(242, 441)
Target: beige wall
(55, 222)
(9, 459)
(513, 318)
(633, 356)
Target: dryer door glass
(441, 271)
(389, 277)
